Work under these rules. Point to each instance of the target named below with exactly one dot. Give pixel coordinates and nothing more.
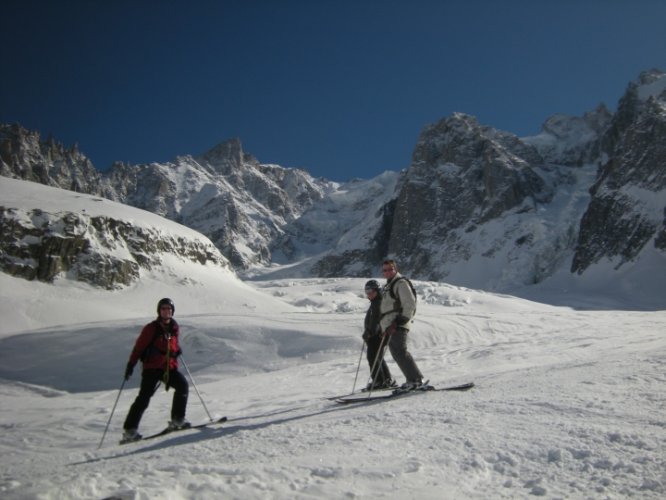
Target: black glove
(401, 320)
(129, 370)
(366, 335)
(177, 353)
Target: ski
(362, 391)
(399, 393)
(359, 397)
(394, 388)
(166, 431)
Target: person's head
(389, 269)
(372, 289)
(165, 309)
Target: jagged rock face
(462, 175)
(628, 205)
(474, 172)
(24, 156)
(226, 158)
(463, 178)
(225, 194)
(143, 186)
(102, 251)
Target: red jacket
(152, 343)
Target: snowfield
(567, 403)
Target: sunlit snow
(569, 402)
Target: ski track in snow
(568, 404)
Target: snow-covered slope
(345, 220)
(568, 403)
(79, 257)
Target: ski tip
(459, 387)
(344, 401)
(128, 441)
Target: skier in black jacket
(372, 335)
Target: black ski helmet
(166, 301)
(372, 285)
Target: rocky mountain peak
(628, 202)
(23, 155)
(226, 157)
(461, 140)
(568, 128)
(648, 79)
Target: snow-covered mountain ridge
(477, 207)
(226, 194)
(49, 233)
(485, 209)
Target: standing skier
(158, 349)
(372, 334)
(398, 308)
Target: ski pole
(165, 377)
(112, 412)
(195, 387)
(380, 356)
(358, 367)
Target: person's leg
(375, 347)
(398, 347)
(149, 381)
(385, 374)
(181, 390)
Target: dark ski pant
(381, 373)
(398, 348)
(149, 384)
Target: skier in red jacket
(158, 349)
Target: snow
(14, 193)
(654, 89)
(569, 401)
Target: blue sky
(340, 88)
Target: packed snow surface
(567, 404)
(569, 401)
